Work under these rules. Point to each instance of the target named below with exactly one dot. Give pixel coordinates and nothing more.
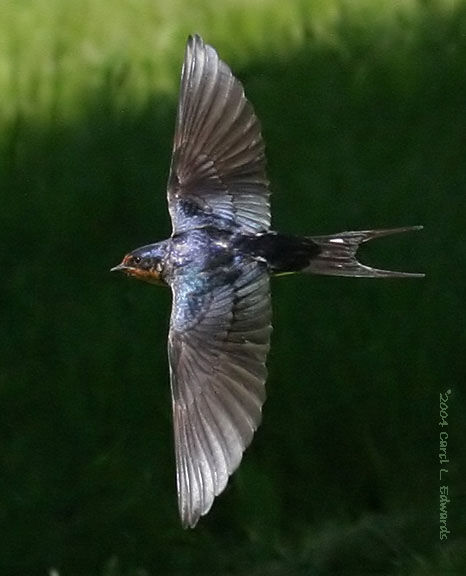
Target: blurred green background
(363, 108)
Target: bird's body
(218, 263)
(204, 251)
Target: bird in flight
(218, 263)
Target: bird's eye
(137, 259)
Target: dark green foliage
(364, 127)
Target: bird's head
(144, 263)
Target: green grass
(362, 107)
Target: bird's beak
(120, 268)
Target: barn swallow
(218, 263)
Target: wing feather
(217, 175)
(217, 368)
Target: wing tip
(190, 514)
(195, 40)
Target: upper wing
(217, 348)
(217, 174)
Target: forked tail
(337, 255)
